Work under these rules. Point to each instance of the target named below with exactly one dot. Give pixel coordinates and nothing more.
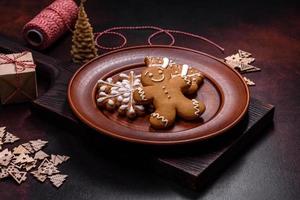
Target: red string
(20, 65)
(168, 32)
(51, 23)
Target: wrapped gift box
(17, 78)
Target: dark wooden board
(191, 165)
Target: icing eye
(160, 71)
(150, 75)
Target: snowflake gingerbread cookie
(118, 95)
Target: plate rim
(157, 142)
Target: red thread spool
(51, 23)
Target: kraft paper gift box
(17, 78)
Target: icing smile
(158, 79)
(160, 72)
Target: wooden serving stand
(192, 165)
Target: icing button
(169, 97)
(166, 92)
(164, 87)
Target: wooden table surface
(269, 169)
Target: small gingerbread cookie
(164, 85)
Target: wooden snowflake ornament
(241, 61)
(119, 95)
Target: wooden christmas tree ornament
(10, 138)
(17, 165)
(18, 176)
(3, 173)
(19, 150)
(12, 168)
(29, 166)
(37, 144)
(28, 147)
(58, 179)
(5, 157)
(83, 44)
(23, 158)
(47, 167)
(39, 176)
(40, 155)
(58, 159)
(17, 162)
(2, 132)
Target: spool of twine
(51, 23)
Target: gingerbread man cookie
(164, 85)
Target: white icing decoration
(131, 113)
(122, 75)
(101, 99)
(120, 98)
(140, 107)
(127, 86)
(165, 62)
(126, 94)
(123, 107)
(111, 102)
(126, 100)
(196, 107)
(158, 79)
(114, 92)
(109, 80)
(141, 92)
(102, 93)
(161, 118)
(103, 88)
(184, 70)
(131, 110)
(187, 80)
(120, 93)
(122, 89)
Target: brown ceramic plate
(224, 93)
